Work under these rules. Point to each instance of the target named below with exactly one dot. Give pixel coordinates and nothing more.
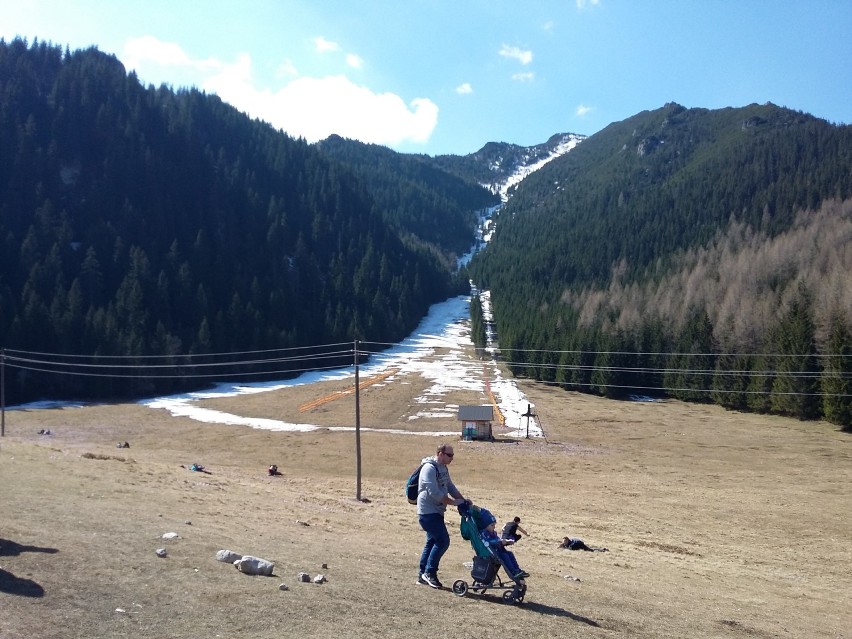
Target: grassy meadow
(718, 524)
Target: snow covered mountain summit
(509, 164)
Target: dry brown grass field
(718, 524)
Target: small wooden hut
(476, 422)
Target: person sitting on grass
(498, 548)
(511, 530)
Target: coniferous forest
(688, 253)
(142, 221)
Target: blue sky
(442, 76)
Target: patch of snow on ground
(446, 326)
(560, 149)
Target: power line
(665, 353)
(690, 390)
(225, 375)
(187, 355)
(314, 358)
(251, 362)
(685, 371)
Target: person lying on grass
(577, 544)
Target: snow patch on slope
(524, 169)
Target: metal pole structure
(528, 414)
(2, 392)
(357, 428)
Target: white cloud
(150, 49)
(354, 61)
(286, 69)
(527, 76)
(582, 4)
(583, 110)
(464, 88)
(312, 108)
(147, 50)
(524, 57)
(325, 46)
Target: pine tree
(760, 383)
(608, 376)
(731, 380)
(477, 323)
(836, 378)
(795, 383)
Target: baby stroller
(486, 566)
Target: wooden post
(357, 429)
(2, 392)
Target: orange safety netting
(348, 391)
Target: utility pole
(357, 428)
(2, 392)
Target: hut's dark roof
(476, 413)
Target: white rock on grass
(161, 552)
(171, 535)
(228, 556)
(254, 566)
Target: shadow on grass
(13, 548)
(544, 609)
(18, 586)
(500, 439)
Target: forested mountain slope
(143, 221)
(424, 203)
(685, 231)
(498, 164)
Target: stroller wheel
(460, 587)
(509, 596)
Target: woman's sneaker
(420, 580)
(431, 579)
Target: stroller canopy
(473, 520)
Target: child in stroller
(477, 526)
(497, 547)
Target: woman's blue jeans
(437, 542)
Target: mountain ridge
(140, 221)
(499, 166)
(581, 248)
